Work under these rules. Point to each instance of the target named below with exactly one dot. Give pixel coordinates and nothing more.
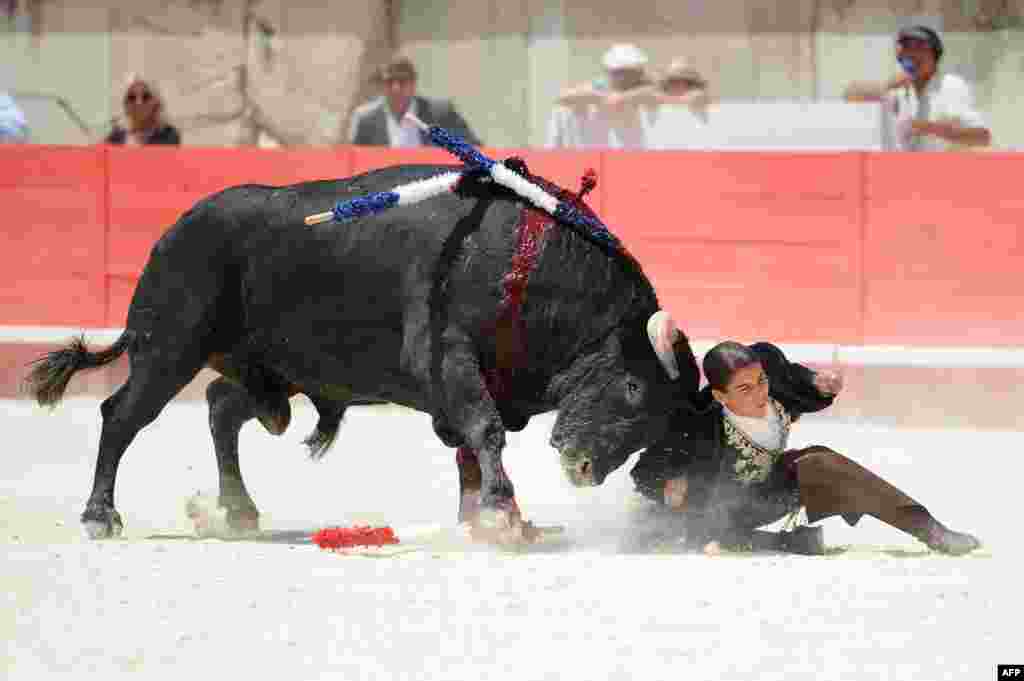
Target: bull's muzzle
(578, 468)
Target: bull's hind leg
(156, 376)
(230, 407)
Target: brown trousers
(830, 484)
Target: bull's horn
(662, 332)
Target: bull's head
(618, 397)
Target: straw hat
(682, 69)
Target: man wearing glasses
(383, 121)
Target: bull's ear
(662, 332)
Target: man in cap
(927, 109)
(383, 121)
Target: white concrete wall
(502, 61)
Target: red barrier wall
(744, 245)
(54, 231)
(830, 247)
(150, 189)
(944, 249)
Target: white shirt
(403, 133)
(946, 98)
(766, 430)
(596, 128)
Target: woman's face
(140, 104)
(747, 392)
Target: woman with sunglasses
(144, 121)
(725, 468)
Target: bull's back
(242, 266)
(376, 266)
(344, 298)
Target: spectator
(382, 121)
(625, 71)
(609, 111)
(926, 108)
(144, 116)
(683, 85)
(13, 125)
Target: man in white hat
(681, 84)
(600, 112)
(625, 68)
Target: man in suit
(382, 121)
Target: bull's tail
(49, 377)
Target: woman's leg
(831, 484)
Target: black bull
(399, 307)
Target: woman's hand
(828, 382)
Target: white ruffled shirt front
(766, 430)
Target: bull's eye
(634, 391)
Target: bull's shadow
(556, 543)
(292, 537)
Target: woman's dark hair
(724, 360)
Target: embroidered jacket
(754, 462)
(703, 444)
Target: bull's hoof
(221, 517)
(504, 527)
(469, 507)
(243, 520)
(102, 523)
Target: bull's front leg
(470, 413)
(469, 485)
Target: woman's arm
(799, 389)
(658, 464)
(679, 470)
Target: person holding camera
(926, 107)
